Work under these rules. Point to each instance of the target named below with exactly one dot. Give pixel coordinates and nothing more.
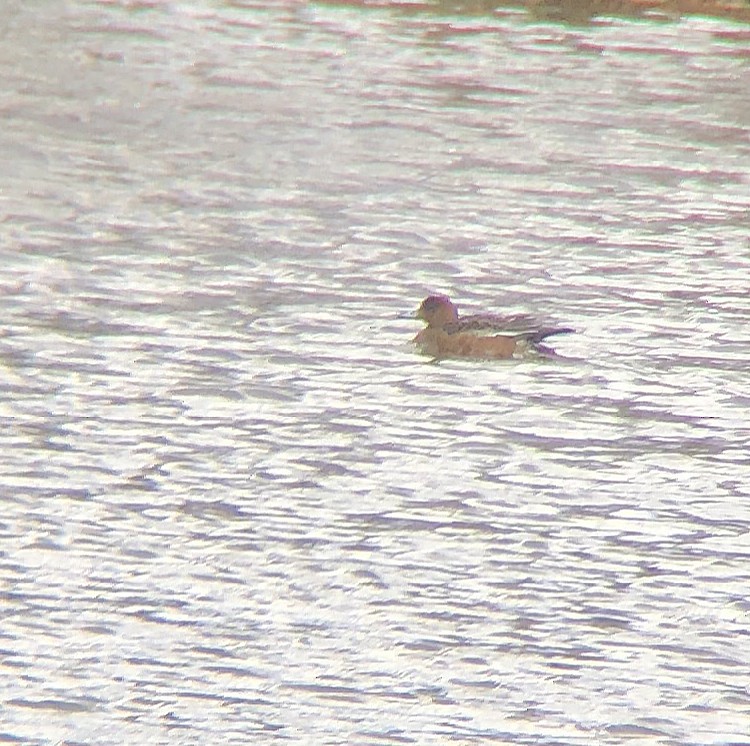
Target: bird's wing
(486, 324)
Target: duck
(480, 336)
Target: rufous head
(437, 311)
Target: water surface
(239, 507)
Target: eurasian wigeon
(448, 335)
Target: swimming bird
(450, 335)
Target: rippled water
(238, 506)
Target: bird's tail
(538, 335)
